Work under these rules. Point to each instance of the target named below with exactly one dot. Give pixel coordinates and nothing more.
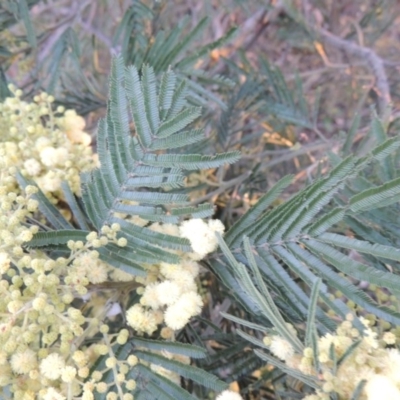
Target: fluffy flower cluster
(44, 322)
(45, 144)
(51, 308)
(170, 292)
(48, 310)
(201, 235)
(366, 358)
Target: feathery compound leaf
(380, 196)
(125, 264)
(192, 161)
(354, 268)
(183, 349)
(327, 221)
(361, 246)
(178, 122)
(251, 339)
(290, 218)
(167, 87)
(187, 40)
(149, 87)
(133, 178)
(264, 299)
(288, 288)
(341, 284)
(321, 193)
(138, 108)
(380, 152)
(44, 239)
(118, 115)
(312, 309)
(181, 139)
(307, 276)
(143, 236)
(178, 100)
(243, 322)
(202, 211)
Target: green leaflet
(312, 310)
(361, 246)
(49, 238)
(354, 268)
(380, 196)
(172, 347)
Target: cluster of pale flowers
(44, 324)
(169, 291)
(45, 144)
(44, 330)
(363, 357)
(52, 308)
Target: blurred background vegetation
(282, 81)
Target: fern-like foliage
(290, 247)
(268, 93)
(173, 48)
(138, 169)
(284, 264)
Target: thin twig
(288, 154)
(375, 63)
(223, 187)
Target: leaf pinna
(138, 168)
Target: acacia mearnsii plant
(104, 248)
(99, 278)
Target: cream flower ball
(201, 235)
(32, 167)
(175, 318)
(392, 365)
(150, 297)
(380, 387)
(141, 320)
(52, 366)
(23, 362)
(51, 157)
(74, 125)
(4, 262)
(170, 270)
(185, 281)
(178, 315)
(53, 394)
(281, 348)
(168, 292)
(229, 395)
